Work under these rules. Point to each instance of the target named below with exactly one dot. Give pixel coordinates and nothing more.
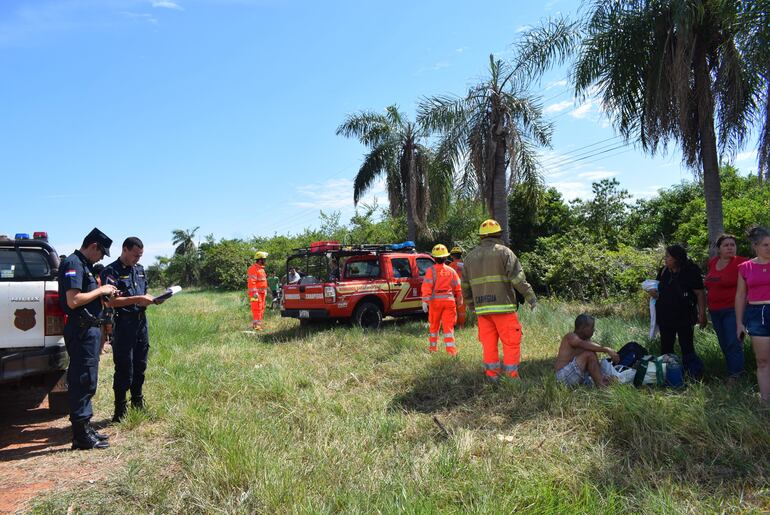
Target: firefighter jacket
(440, 282)
(457, 266)
(257, 280)
(490, 274)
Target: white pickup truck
(32, 351)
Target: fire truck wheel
(368, 315)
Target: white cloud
(167, 4)
(523, 28)
(584, 110)
(646, 193)
(751, 155)
(557, 107)
(556, 84)
(335, 194)
(149, 18)
(572, 189)
(597, 175)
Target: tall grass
(335, 419)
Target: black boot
(83, 439)
(121, 406)
(137, 402)
(99, 436)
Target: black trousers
(130, 347)
(83, 347)
(668, 334)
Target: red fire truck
(362, 283)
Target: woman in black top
(681, 302)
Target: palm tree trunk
(500, 188)
(712, 186)
(411, 198)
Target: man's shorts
(757, 319)
(571, 375)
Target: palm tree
(681, 70)
(396, 151)
(184, 241)
(492, 132)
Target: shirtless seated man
(576, 362)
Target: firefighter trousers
(504, 327)
(461, 310)
(258, 307)
(442, 312)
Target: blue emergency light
(22, 236)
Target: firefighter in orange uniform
(490, 275)
(457, 265)
(257, 286)
(441, 295)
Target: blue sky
(143, 116)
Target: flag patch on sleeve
(70, 273)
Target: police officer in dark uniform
(81, 298)
(130, 343)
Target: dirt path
(35, 454)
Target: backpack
(665, 370)
(630, 353)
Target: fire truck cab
(361, 283)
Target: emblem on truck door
(25, 319)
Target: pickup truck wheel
(368, 315)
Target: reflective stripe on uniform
(492, 366)
(496, 308)
(484, 279)
(449, 344)
(510, 368)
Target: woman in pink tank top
(752, 305)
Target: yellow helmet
(260, 254)
(489, 227)
(439, 251)
(456, 250)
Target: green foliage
(605, 214)
(576, 266)
(461, 226)
(225, 263)
(549, 216)
(677, 215)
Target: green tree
(493, 132)
(679, 70)
(184, 241)
(549, 215)
(606, 213)
(396, 151)
(655, 221)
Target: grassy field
(334, 419)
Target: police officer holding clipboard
(80, 298)
(130, 344)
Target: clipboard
(170, 292)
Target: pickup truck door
(22, 299)
(404, 285)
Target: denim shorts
(757, 319)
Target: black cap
(101, 239)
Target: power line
(577, 150)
